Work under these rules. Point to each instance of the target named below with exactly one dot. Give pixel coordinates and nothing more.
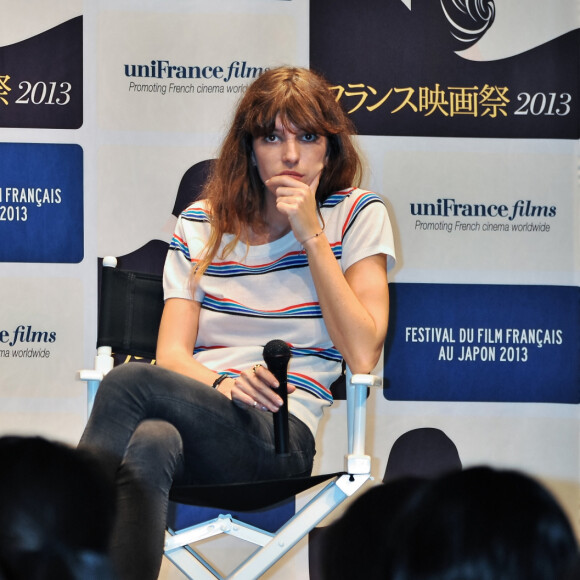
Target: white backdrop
(140, 134)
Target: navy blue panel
(459, 342)
(182, 516)
(41, 203)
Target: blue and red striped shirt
(258, 293)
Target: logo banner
(461, 342)
(41, 79)
(408, 71)
(41, 203)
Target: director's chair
(130, 309)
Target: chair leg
(194, 566)
(298, 527)
(190, 563)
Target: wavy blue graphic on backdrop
(41, 203)
(41, 79)
(460, 342)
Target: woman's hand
(255, 387)
(297, 201)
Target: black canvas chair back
(131, 304)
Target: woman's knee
(158, 435)
(155, 444)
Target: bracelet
(219, 380)
(312, 237)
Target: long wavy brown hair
(234, 189)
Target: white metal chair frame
(357, 471)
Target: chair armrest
(357, 461)
(91, 375)
(367, 380)
(104, 362)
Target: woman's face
(290, 151)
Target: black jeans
(152, 427)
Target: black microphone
(276, 356)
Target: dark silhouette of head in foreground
(475, 524)
(483, 524)
(56, 512)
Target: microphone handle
(278, 367)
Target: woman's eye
(310, 137)
(270, 138)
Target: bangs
(294, 107)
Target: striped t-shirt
(259, 293)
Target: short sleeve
(367, 231)
(177, 269)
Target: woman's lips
(292, 174)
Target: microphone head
(275, 349)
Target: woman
(282, 246)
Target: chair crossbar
(192, 564)
(222, 524)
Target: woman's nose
(291, 153)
